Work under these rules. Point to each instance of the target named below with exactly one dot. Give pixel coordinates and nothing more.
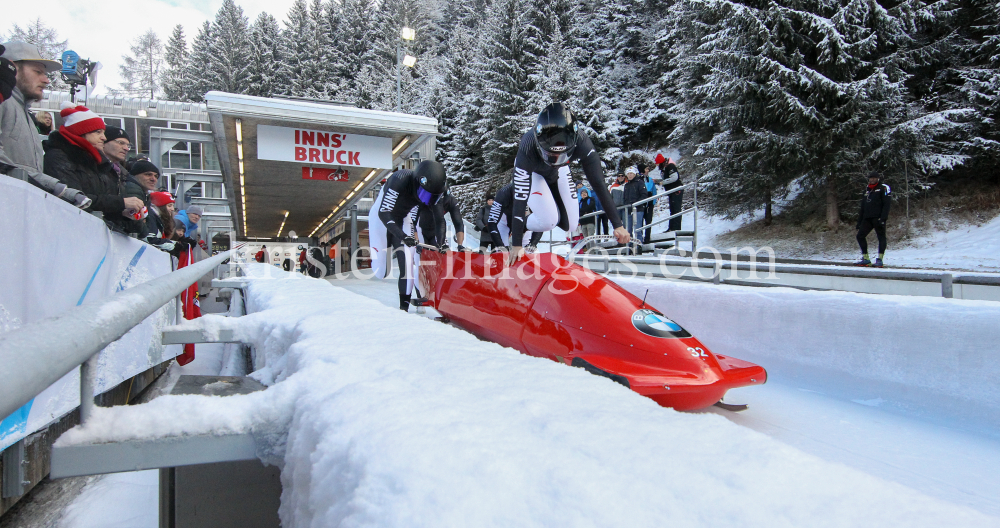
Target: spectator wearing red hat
(73, 156)
(671, 179)
(160, 222)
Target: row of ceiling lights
(243, 194)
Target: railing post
(354, 237)
(947, 285)
(88, 369)
(694, 227)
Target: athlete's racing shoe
(878, 263)
(419, 301)
(863, 262)
(547, 307)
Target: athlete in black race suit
(541, 178)
(405, 190)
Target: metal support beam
(138, 455)
(175, 336)
(14, 479)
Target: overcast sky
(102, 31)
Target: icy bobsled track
(380, 418)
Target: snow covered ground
(384, 408)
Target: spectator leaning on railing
(23, 78)
(73, 155)
(116, 147)
(190, 217)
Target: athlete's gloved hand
(203, 245)
(167, 246)
(409, 241)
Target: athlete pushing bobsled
(498, 223)
(403, 192)
(541, 178)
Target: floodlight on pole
(406, 34)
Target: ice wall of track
(921, 354)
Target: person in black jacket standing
(635, 191)
(671, 179)
(874, 213)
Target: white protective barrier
(917, 354)
(56, 257)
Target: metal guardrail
(40, 353)
(667, 266)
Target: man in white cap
(18, 135)
(21, 153)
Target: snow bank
(381, 418)
(921, 354)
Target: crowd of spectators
(83, 161)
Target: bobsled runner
(545, 306)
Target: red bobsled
(547, 307)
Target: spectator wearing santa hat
(73, 156)
(671, 179)
(160, 222)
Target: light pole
(408, 60)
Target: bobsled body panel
(547, 307)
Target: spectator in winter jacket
(634, 191)
(23, 78)
(160, 222)
(116, 147)
(18, 134)
(482, 220)
(189, 217)
(73, 156)
(179, 228)
(671, 179)
(617, 190)
(874, 213)
(43, 122)
(261, 255)
(587, 205)
(644, 171)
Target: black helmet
(555, 134)
(431, 181)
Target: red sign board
(316, 173)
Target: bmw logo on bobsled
(653, 323)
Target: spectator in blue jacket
(190, 217)
(651, 191)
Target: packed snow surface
(381, 418)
